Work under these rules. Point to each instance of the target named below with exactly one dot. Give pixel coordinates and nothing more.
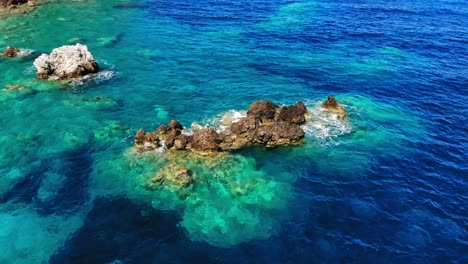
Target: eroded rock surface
(66, 62)
(331, 105)
(266, 124)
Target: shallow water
(387, 185)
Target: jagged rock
(66, 62)
(293, 114)
(331, 105)
(266, 124)
(11, 52)
(262, 110)
(181, 142)
(277, 134)
(174, 125)
(146, 141)
(243, 125)
(206, 140)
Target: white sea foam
(101, 76)
(25, 52)
(322, 125)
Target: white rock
(66, 62)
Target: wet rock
(331, 105)
(277, 134)
(174, 125)
(11, 52)
(66, 62)
(181, 142)
(205, 141)
(265, 124)
(146, 141)
(293, 114)
(262, 110)
(244, 125)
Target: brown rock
(140, 137)
(171, 137)
(174, 125)
(162, 130)
(243, 125)
(331, 105)
(277, 134)
(181, 142)
(146, 140)
(205, 140)
(293, 114)
(11, 3)
(262, 110)
(11, 52)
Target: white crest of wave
(25, 52)
(322, 125)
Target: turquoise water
(388, 184)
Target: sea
(387, 184)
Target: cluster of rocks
(66, 62)
(266, 124)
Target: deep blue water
(392, 189)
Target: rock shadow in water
(75, 166)
(116, 229)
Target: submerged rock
(66, 62)
(331, 105)
(173, 176)
(11, 52)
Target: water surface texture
(386, 185)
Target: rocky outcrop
(66, 62)
(11, 52)
(266, 124)
(331, 105)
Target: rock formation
(11, 52)
(66, 62)
(265, 124)
(331, 105)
